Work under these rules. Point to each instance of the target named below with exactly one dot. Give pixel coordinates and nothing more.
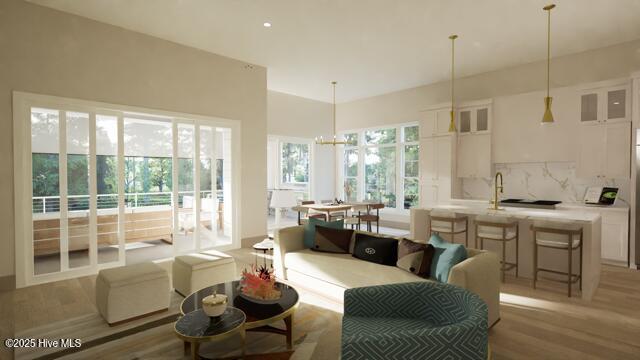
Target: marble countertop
(571, 212)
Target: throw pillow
(446, 256)
(332, 240)
(310, 229)
(415, 257)
(376, 249)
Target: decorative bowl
(214, 305)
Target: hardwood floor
(535, 324)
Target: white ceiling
(370, 47)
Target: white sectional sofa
(330, 274)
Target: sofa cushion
(332, 240)
(377, 249)
(344, 270)
(310, 229)
(446, 256)
(415, 257)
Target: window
(294, 163)
(383, 166)
(289, 165)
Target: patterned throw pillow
(415, 257)
(310, 230)
(376, 249)
(332, 240)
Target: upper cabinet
(474, 120)
(604, 151)
(605, 105)
(435, 122)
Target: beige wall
(403, 106)
(54, 53)
(289, 115)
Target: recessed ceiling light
(267, 24)
(616, 103)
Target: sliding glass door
(106, 188)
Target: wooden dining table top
(336, 207)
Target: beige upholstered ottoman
(195, 271)
(132, 291)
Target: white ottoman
(195, 271)
(132, 291)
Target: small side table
(196, 327)
(265, 246)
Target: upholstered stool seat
(502, 229)
(558, 235)
(193, 272)
(450, 223)
(128, 292)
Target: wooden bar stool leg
(517, 246)
(504, 254)
(580, 262)
(570, 252)
(466, 232)
(535, 260)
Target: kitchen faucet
(495, 200)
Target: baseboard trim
(8, 283)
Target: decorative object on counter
(215, 304)
(558, 235)
(452, 123)
(547, 118)
(598, 195)
(335, 141)
(259, 284)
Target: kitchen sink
(539, 204)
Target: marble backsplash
(542, 181)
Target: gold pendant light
(452, 123)
(547, 118)
(334, 141)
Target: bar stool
(498, 228)
(560, 236)
(450, 223)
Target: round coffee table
(259, 314)
(197, 327)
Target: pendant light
(335, 141)
(452, 123)
(547, 118)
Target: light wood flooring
(535, 324)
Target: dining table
(327, 209)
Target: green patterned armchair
(421, 320)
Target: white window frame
(362, 149)
(22, 105)
(277, 180)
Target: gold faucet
(495, 200)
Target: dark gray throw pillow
(415, 257)
(376, 249)
(332, 240)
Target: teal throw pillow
(446, 256)
(310, 230)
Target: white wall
(293, 116)
(50, 52)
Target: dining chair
(370, 218)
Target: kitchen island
(552, 259)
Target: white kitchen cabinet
(474, 119)
(436, 164)
(604, 151)
(474, 156)
(605, 105)
(435, 122)
(615, 236)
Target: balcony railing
(51, 204)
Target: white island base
(547, 258)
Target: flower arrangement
(259, 283)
